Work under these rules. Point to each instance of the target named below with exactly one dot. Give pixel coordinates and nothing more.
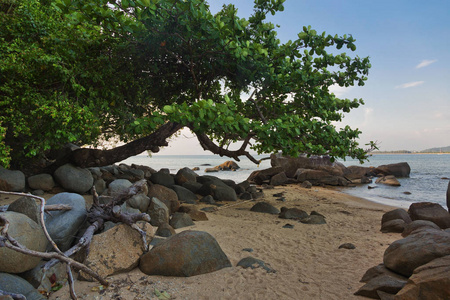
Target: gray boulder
(253, 263)
(163, 178)
(139, 201)
(431, 212)
(314, 219)
(417, 249)
(43, 182)
(180, 220)
(43, 280)
(279, 179)
(11, 181)
(318, 177)
(165, 230)
(100, 186)
(184, 175)
(430, 281)
(29, 234)
(17, 285)
(398, 213)
(384, 283)
(166, 195)
(188, 253)
(27, 206)
(380, 270)
(117, 187)
(264, 207)
(260, 176)
(74, 179)
(292, 213)
(158, 212)
(401, 169)
(184, 195)
(418, 225)
(397, 225)
(193, 186)
(63, 225)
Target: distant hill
(437, 150)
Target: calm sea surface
(425, 182)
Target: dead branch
(14, 296)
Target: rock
(397, 225)
(279, 179)
(314, 219)
(431, 212)
(180, 220)
(358, 172)
(28, 207)
(163, 178)
(417, 249)
(63, 225)
(192, 186)
(74, 179)
(418, 225)
(401, 169)
(306, 184)
(43, 182)
(116, 250)
(398, 213)
(158, 212)
(253, 263)
(246, 196)
(430, 281)
(348, 246)
(188, 253)
(215, 187)
(264, 207)
(292, 213)
(194, 213)
(139, 201)
(100, 186)
(11, 181)
(118, 186)
(184, 175)
(165, 230)
(448, 196)
(388, 180)
(317, 177)
(185, 195)
(229, 165)
(212, 170)
(260, 176)
(384, 283)
(29, 234)
(380, 270)
(166, 195)
(130, 173)
(45, 280)
(208, 199)
(17, 285)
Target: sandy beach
(307, 258)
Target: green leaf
(168, 109)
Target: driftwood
(97, 215)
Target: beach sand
(306, 258)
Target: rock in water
(29, 234)
(188, 253)
(63, 225)
(448, 196)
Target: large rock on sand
(188, 253)
(417, 249)
(74, 179)
(29, 234)
(17, 285)
(431, 212)
(11, 181)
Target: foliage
(89, 70)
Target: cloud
(425, 63)
(409, 84)
(337, 90)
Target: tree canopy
(139, 70)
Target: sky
(407, 95)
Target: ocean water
(424, 184)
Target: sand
(307, 258)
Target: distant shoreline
(403, 153)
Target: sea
(428, 179)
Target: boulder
(11, 181)
(27, 206)
(180, 220)
(43, 182)
(417, 249)
(64, 225)
(260, 176)
(290, 165)
(217, 188)
(163, 178)
(380, 270)
(448, 196)
(317, 177)
(314, 219)
(212, 170)
(431, 212)
(118, 186)
(358, 172)
(384, 283)
(188, 253)
(116, 250)
(279, 179)
(166, 195)
(158, 212)
(430, 281)
(184, 175)
(100, 186)
(388, 180)
(418, 225)
(130, 173)
(208, 199)
(17, 285)
(74, 179)
(398, 213)
(229, 165)
(139, 201)
(184, 195)
(44, 280)
(253, 263)
(194, 213)
(165, 230)
(264, 207)
(292, 213)
(192, 186)
(29, 234)
(397, 225)
(401, 169)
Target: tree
(140, 70)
